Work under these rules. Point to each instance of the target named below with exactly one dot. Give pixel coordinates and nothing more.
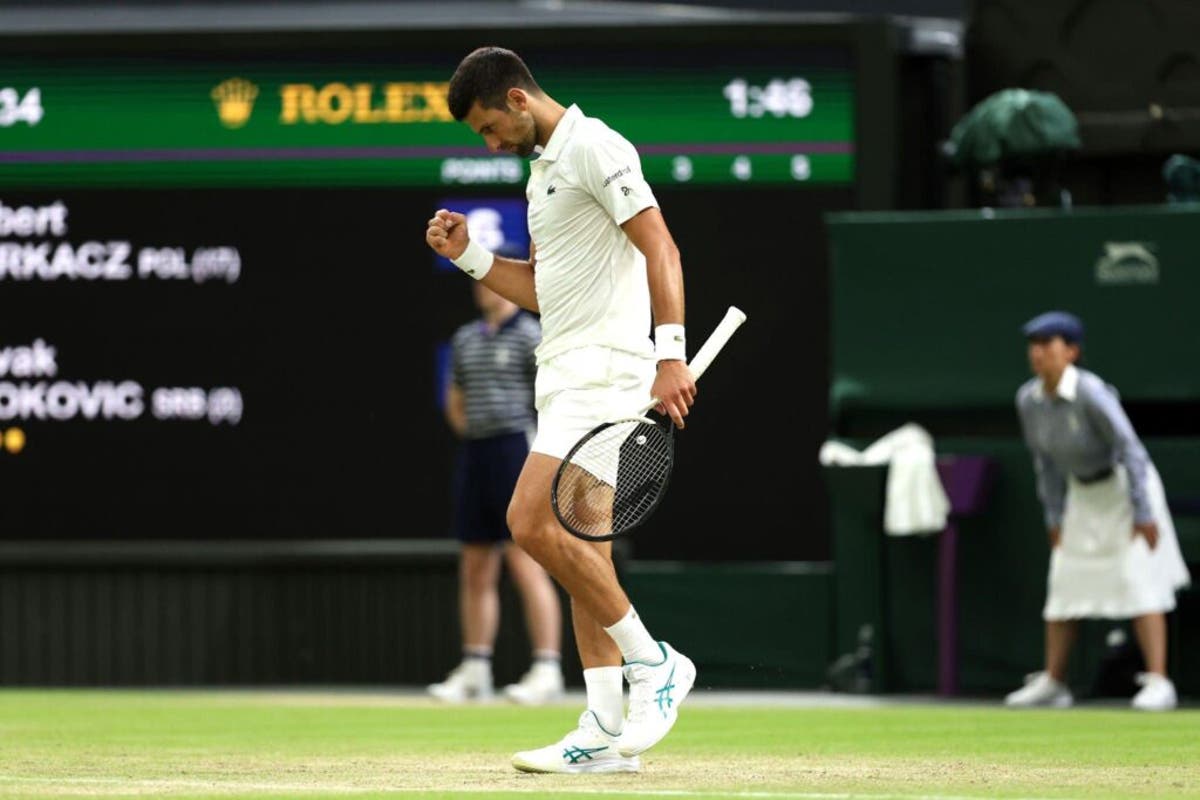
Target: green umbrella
(1182, 174)
(1013, 124)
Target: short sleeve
(611, 171)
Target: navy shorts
(485, 474)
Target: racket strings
(616, 478)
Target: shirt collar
(1068, 385)
(562, 132)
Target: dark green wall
(746, 625)
(175, 615)
(926, 308)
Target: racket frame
(666, 425)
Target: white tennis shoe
(470, 680)
(1040, 690)
(655, 692)
(1157, 693)
(588, 748)
(542, 684)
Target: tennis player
(603, 268)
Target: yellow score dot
(14, 440)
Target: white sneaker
(1040, 690)
(470, 680)
(543, 683)
(655, 692)
(1157, 693)
(588, 748)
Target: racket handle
(732, 320)
(734, 317)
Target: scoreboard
(760, 116)
(218, 315)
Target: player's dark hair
(486, 75)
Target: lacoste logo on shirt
(550, 190)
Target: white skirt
(1099, 568)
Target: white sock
(635, 641)
(606, 697)
(550, 657)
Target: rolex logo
(235, 101)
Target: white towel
(915, 500)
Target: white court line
(232, 786)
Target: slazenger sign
(1124, 263)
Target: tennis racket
(616, 474)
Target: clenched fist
(447, 233)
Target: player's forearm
(665, 274)
(513, 279)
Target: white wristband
(476, 260)
(670, 342)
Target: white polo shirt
(590, 278)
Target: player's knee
(527, 533)
(527, 538)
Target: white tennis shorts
(583, 387)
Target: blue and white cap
(1054, 323)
